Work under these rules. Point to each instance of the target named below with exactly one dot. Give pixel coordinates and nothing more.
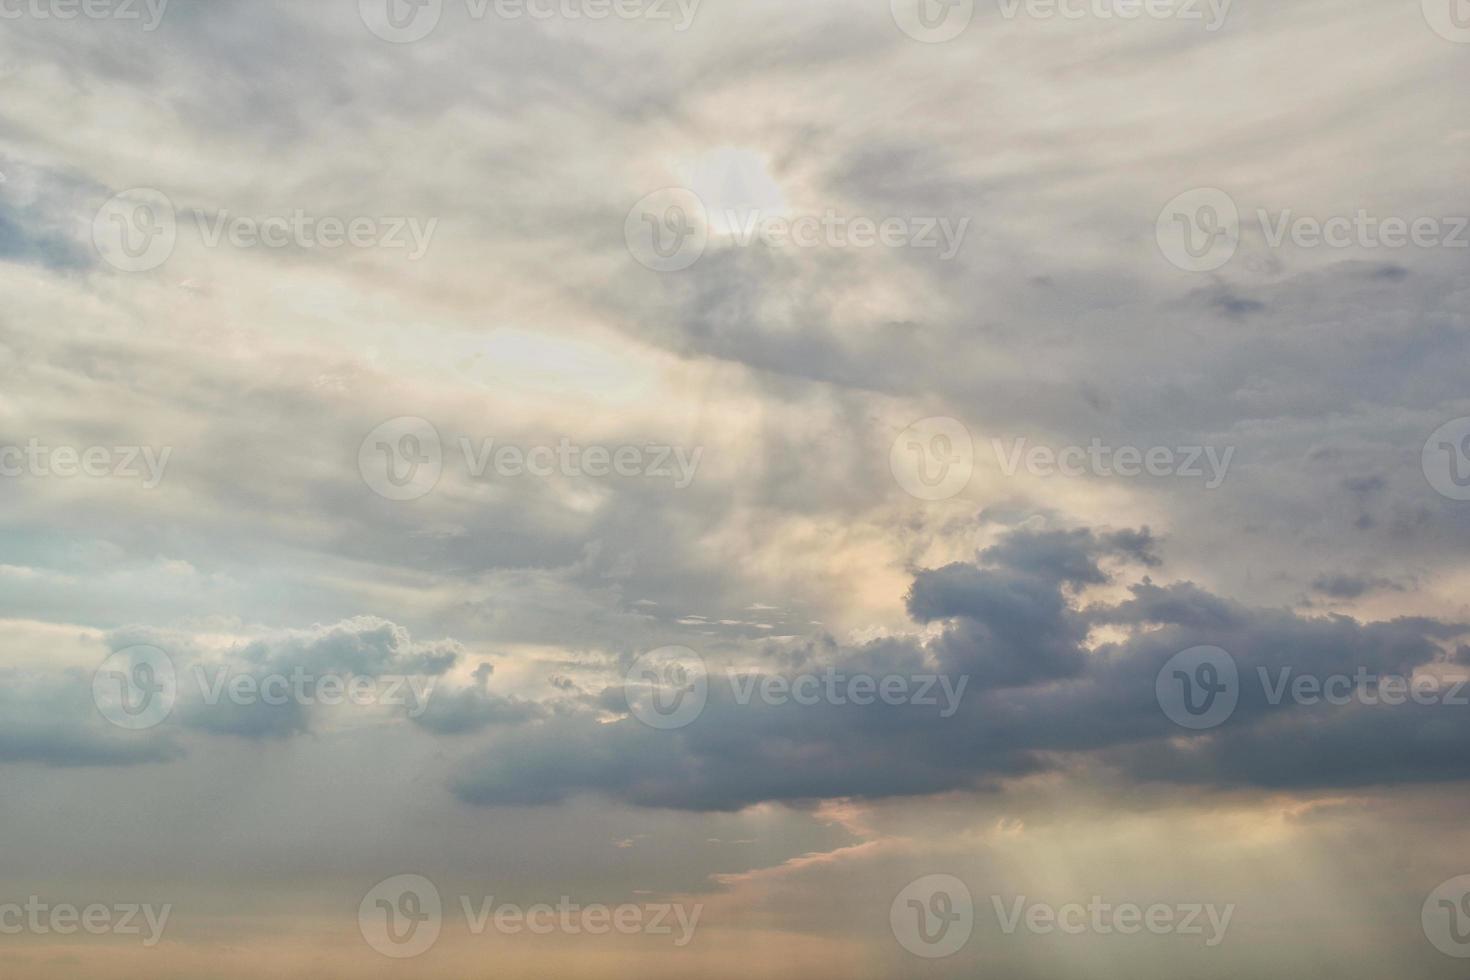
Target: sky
(641, 488)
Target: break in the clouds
(938, 304)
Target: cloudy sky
(852, 488)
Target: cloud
(1043, 695)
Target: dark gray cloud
(1038, 697)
